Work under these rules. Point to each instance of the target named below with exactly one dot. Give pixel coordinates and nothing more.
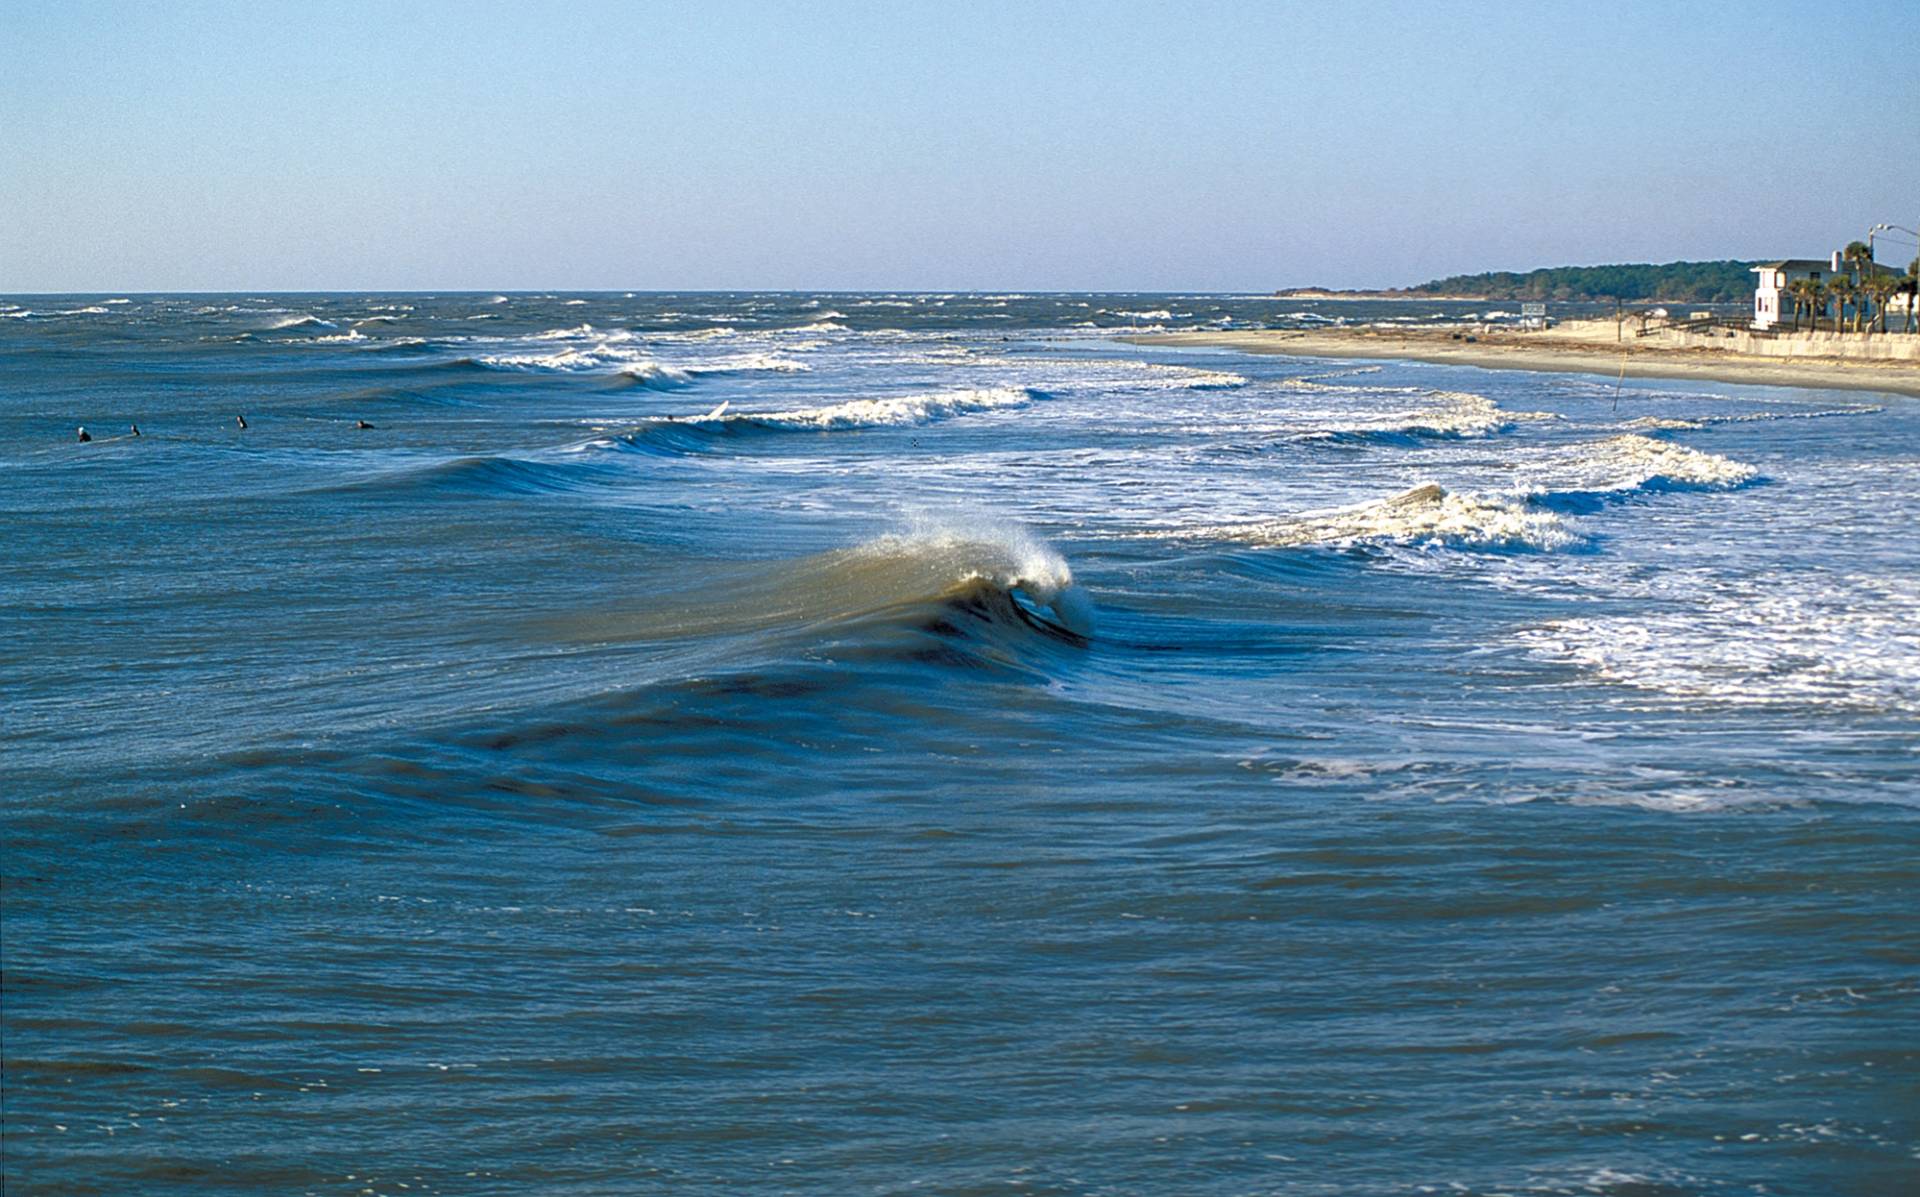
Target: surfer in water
(242, 421)
(84, 436)
(361, 424)
(135, 428)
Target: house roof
(1821, 264)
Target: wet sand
(1559, 354)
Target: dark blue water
(860, 743)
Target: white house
(1773, 305)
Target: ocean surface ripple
(716, 743)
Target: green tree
(1858, 256)
(1881, 287)
(1841, 291)
(1803, 292)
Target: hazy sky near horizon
(1110, 145)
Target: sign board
(1533, 309)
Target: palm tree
(1911, 284)
(1881, 287)
(1841, 290)
(1803, 291)
(1859, 258)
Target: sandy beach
(1575, 350)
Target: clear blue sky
(1217, 146)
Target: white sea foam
(594, 359)
(1629, 462)
(90, 310)
(1425, 515)
(1453, 413)
(615, 353)
(301, 320)
(1439, 413)
(747, 363)
(1759, 417)
(351, 335)
(820, 326)
(579, 331)
(1117, 372)
(899, 411)
(1852, 641)
(1188, 377)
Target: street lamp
(1913, 297)
(1884, 227)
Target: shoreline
(1523, 351)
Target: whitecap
(899, 411)
(1632, 462)
(1851, 641)
(1425, 515)
(748, 363)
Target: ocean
(720, 743)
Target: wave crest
(1632, 462)
(1426, 515)
(896, 412)
(983, 589)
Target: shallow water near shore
(823, 743)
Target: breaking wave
(610, 356)
(1440, 414)
(1425, 515)
(1672, 423)
(898, 412)
(981, 589)
(1597, 470)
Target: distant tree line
(1683, 282)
